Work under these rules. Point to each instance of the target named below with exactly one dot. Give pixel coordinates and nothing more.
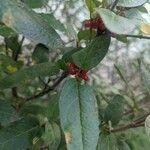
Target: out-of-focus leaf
(122, 145)
(142, 9)
(137, 140)
(90, 5)
(43, 69)
(35, 3)
(122, 38)
(6, 31)
(86, 34)
(116, 23)
(7, 64)
(120, 73)
(56, 24)
(52, 109)
(7, 113)
(40, 54)
(79, 116)
(107, 142)
(147, 126)
(25, 21)
(93, 54)
(12, 43)
(131, 3)
(114, 110)
(52, 135)
(145, 71)
(19, 135)
(32, 109)
(145, 28)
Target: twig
(137, 123)
(114, 5)
(15, 58)
(129, 126)
(44, 92)
(137, 36)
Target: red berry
(75, 70)
(82, 74)
(96, 23)
(72, 69)
(87, 23)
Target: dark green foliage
(44, 104)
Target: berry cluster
(78, 72)
(96, 23)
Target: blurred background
(125, 70)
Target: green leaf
(6, 31)
(145, 72)
(91, 5)
(147, 126)
(43, 69)
(142, 9)
(35, 3)
(19, 135)
(136, 137)
(79, 116)
(56, 24)
(116, 23)
(12, 43)
(40, 54)
(118, 69)
(52, 109)
(7, 64)
(114, 110)
(67, 57)
(93, 54)
(25, 21)
(86, 34)
(52, 135)
(131, 3)
(7, 113)
(107, 142)
(136, 15)
(122, 145)
(32, 109)
(122, 38)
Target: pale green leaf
(25, 21)
(116, 23)
(131, 3)
(79, 116)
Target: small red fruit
(75, 70)
(82, 74)
(72, 69)
(96, 23)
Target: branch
(44, 92)
(137, 123)
(114, 5)
(15, 56)
(137, 36)
(129, 126)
